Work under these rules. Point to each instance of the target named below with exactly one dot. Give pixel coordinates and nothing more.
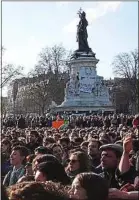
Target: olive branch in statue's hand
(80, 11)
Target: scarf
(16, 174)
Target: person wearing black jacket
(21, 123)
(33, 140)
(110, 158)
(93, 152)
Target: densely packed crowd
(94, 157)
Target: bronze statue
(82, 36)
(82, 32)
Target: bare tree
(37, 88)
(49, 77)
(54, 59)
(8, 71)
(38, 94)
(46, 87)
(125, 65)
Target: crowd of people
(94, 157)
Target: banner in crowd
(57, 124)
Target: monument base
(85, 91)
(83, 109)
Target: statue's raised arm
(82, 32)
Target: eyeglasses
(72, 161)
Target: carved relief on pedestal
(72, 87)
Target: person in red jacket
(136, 121)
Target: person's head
(110, 156)
(57, 151)
(56, 137)
(82, 133)
(5, 146)
(35, 163)
(41, 150)
(33, 136)
(93, 147)
(13, 134)
(28, 168)
(78, 161)
(84, 146)
(47, 133)
(30, 158)
(18, 155)
(78, 140)
(89, 186)
(104, 138)
(42, 158)
(46, 158)
(65, 142)
(114, 116)
(51, 170)
(47, 141)
(37, 191)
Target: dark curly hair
(38, 191)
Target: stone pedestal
(85, 90)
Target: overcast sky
(27, 27)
